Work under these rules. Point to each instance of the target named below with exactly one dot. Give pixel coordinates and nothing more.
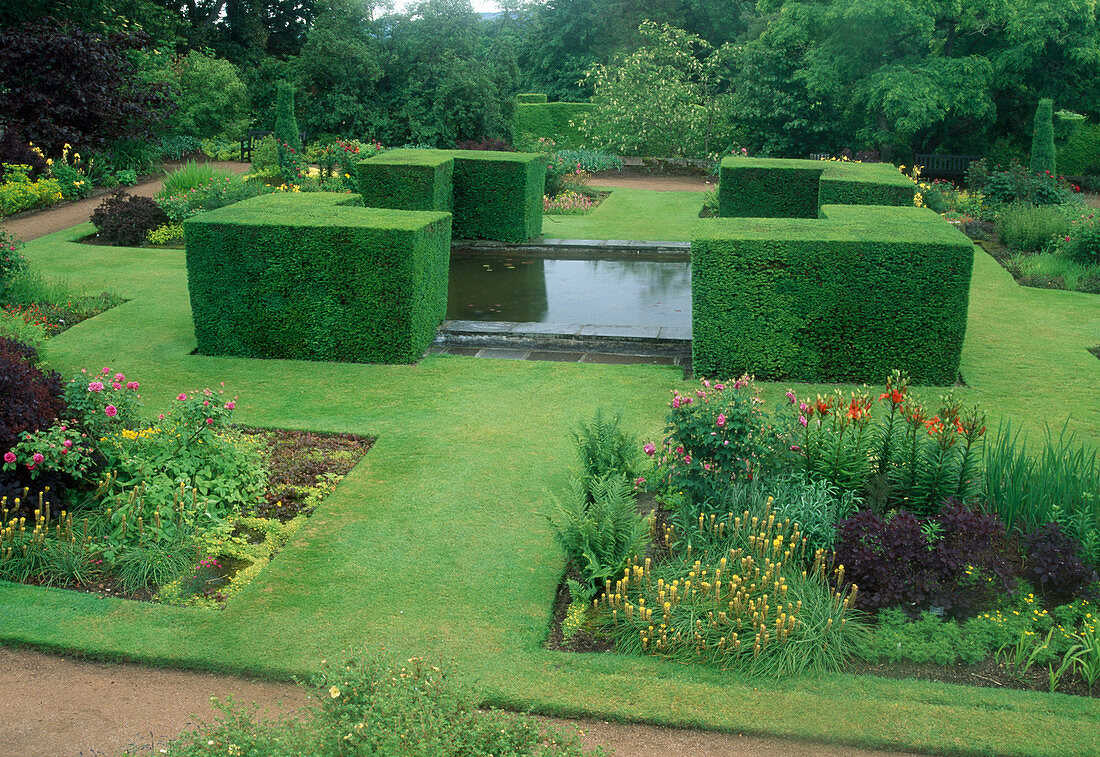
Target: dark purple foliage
(1054, 566)
(957, 560)
(125, 219)
(31, 401)
(66, 85)
(15, 151)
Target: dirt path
(56, 706)
(47, 221)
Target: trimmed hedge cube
(845, 183)
(407, 180)
(496, 195)
(844, 298)
(780, 188)
(314, 277)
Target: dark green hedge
(407, 180)
(556, 121)
(844, 298)
(312, 277)
(779, 188)
(845, 183)
(1080, 155)
(496, 195)
(530, 97)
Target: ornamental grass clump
(738, 591)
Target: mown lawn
(435, 543)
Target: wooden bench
(944, 166)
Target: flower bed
(184, 509)
(836, 533)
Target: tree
(665, 98)
(62, 85)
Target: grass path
(434, 543)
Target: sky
(481, 6)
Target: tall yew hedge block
(407, 180)
(493, 195)
(846, 297)
(780, 188)
(317, 277)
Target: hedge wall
(312, 277)
(530, 97)
(780, 188)
(496, 195)
(551, 120)
(1080, 155)
(844, 298)
(845, 183)
(407, 180)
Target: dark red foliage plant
(63, 85)
(496, 145)
(957, 560)
(1055, 568)
(125, 219)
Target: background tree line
(780, 77)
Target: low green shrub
(19, 193)
(167, 234)
(175, 146)
(370, 707)
(1031, 228)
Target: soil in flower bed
(55, 318)
(304, 467)
(989, 673)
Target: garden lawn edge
(434, 544)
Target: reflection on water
(600, 292)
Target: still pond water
(628, 292)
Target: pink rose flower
(106, 371)
(649, 449)
(9, 457)
(230, 405)
(182, 397)
(209, 421)
(95, 386)
(721, 420)
(111, 411)
(119, 377)
(67, 443)
(115, 385)
(37, 457)
(131, 385)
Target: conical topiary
(286, 124)
(1042, 139)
